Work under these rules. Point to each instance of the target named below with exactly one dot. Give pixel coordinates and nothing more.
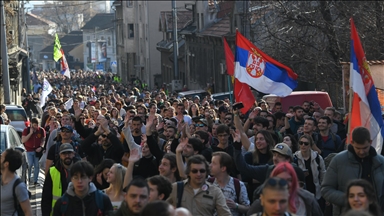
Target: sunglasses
(230, 119)
(305, 143)
(274, 182)
(103, 135)
(194, 171)
(66, 131)
(199, 125)
(82, 118)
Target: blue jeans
(33, 161)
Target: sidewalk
(36, 192)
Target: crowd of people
(124, 150)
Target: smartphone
(238, 106)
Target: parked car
(298, 97)
(193, 93)
(18, 117)
(222, 95)
(10, 139)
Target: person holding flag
(47, 89)
(360, 161)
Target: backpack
(99, 202)
(317, 159)
(236, 183)
(16, 203)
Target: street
(36, 192)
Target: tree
(68, 15)
(312, 37)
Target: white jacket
(314, 167)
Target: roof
(101, 21)
(373, 62)
(184, 18)
(67, 42)
(218, 29)
(33, 19)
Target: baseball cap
(66, 147)
(67, 127)
(283, 149)
(204, 121)
(196, 96)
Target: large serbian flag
(260, 71)
(241, 90)
(64, 66)
(366, 111)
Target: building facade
(137, 37)
(99, 38)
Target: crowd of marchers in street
(121, 149)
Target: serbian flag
(260, 71)
(64, 66)
(241, 91)
(366, 110)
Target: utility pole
(175, 41)
(4, 57)
(27, 49)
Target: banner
(102, 51)
(56, 49)
(47, 89)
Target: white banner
(47, 89)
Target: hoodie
(82, 206)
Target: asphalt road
(36, 192)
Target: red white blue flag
(366, 110)
(64, 66)
(260, 71)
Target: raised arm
(133, 158)
(179, 158)
(128, 135)
(244, 138)
(255, 172)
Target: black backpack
(16, 203)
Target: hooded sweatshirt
(83, 206)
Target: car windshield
(16, 115)
(2, 141)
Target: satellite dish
(51, 31)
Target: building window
(109, 41)
(129, 3)
(88, 38)
(131, 33)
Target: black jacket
(75, 204)
(46, 201)
(95, 152)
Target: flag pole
(229, 88)
(349, 135)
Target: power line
(58, 5)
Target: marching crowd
(123, 150)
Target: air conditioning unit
(176, 85)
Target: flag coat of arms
(366, 110)
(260, 71)
(47, 89)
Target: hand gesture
(181, 145)
(150, 121)
(126, 120)
(134, 155)
(143, 138)
(236, 136)
(230, 203)
(160, 125)
(254, 113)
(77, 111)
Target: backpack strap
(99, 200)
(236, 183)
(317, 159)
(15, 201)
(64, 203)
(180, 190)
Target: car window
(16, 115)
(2, 141)
(12, 140)
(16, 137)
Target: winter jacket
(96, 153)
(85, 206)
(317, 177)
(345, 167)
(47, 195)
